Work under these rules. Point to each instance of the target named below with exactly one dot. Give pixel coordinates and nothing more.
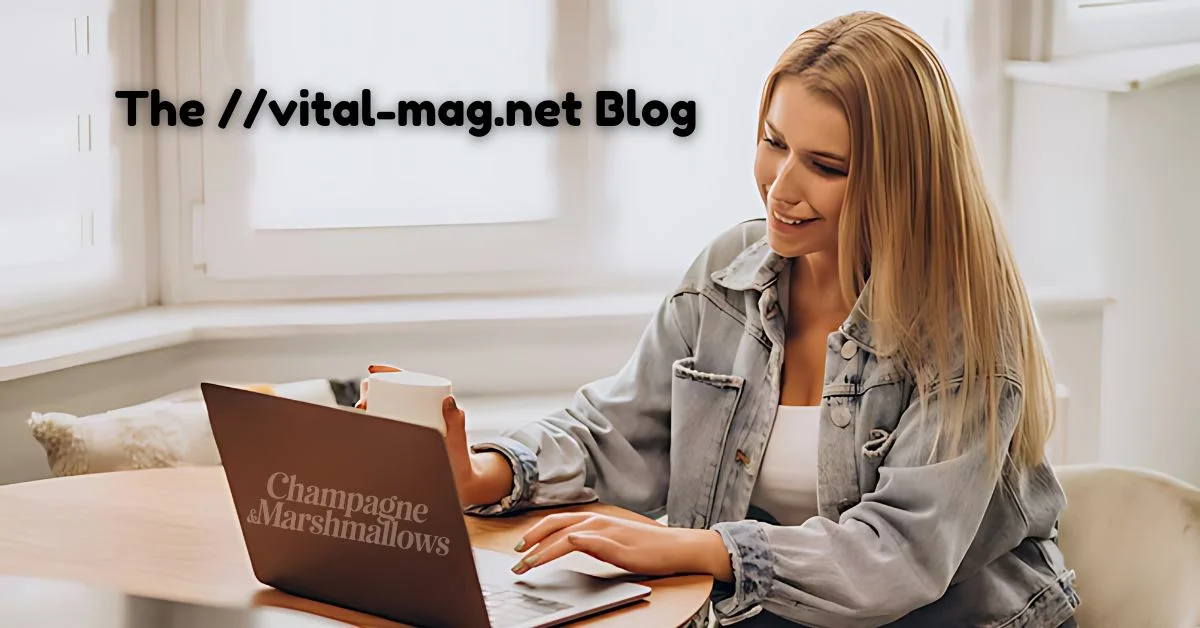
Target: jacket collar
(759, 266)
(755, 268)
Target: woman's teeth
(789, 221)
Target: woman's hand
(480, 478)
(643, 548)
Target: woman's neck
(816, 293)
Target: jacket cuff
(753, 566)
(525, 474)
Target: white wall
(1104, 200)
(1151, 414)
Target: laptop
(358, 511)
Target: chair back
(1133, 538)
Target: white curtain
(984, 36)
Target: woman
(842, 409)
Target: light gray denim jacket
(682, 428)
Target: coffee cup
(408, 396)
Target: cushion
(166, 432)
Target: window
(66, 234)
(399, 207)
(1097, 26)
(312, 211)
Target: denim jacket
(681, 430)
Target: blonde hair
(944, 295)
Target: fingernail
(524, 563)
(382, 368)
(520, 546)
(453, 403)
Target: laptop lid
(347, 508)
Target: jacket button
(840, 416)
(849, 349)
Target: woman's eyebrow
(818, 153)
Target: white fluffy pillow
(168, 432)
(146, 436)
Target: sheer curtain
(985, 29)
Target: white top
(787, 479)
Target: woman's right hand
(480, 478)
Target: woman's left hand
(643, 548)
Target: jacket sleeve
(612, 442)
(893, 552)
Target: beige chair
(1133, 538)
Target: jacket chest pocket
(702, 411)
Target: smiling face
(801, 168)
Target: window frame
(191, 274)
(82, 289)
(1113, 25)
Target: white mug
(408, 396)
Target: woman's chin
(788, 247)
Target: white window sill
(156, 328)
(1119, 71)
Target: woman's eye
(823, 169)
(774, 142)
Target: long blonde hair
(944, 294)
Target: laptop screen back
(347, 508)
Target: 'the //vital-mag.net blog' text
(609, 108)
(321, 511)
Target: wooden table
(172, 534)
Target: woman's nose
(788, 187)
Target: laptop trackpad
(546, 592)
(549, 580)
(583, 563)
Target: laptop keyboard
(507, 607)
